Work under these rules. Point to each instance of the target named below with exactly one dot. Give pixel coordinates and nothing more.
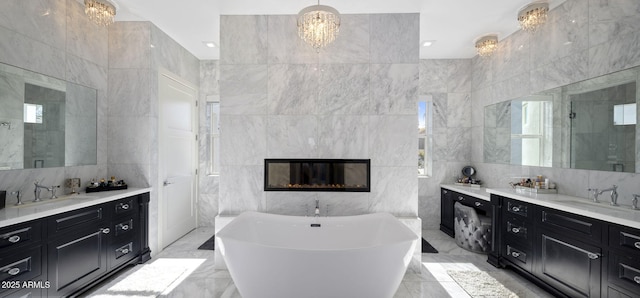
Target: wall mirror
(589, 125)
(45, 122)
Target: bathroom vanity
(570, 246)
(63, 247)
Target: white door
(177, 159)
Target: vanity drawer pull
(515, 254)
(124, 206)
(636, 279)
(515, 209)
(593, 256)
(478, 204)
(637, 245)
(460, 198)
(105, 230)
(13, 271)
(14, 239)
(124, 251)
(445, 192)
(124, 227)
(515, 230)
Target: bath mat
(427, 248)
(209, 244)
(480, 284)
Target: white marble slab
(582, 206)
(30, 211)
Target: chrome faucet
(317, 213)
(18, 197)
(614, 194)
(38, 189)
(595, 194)
(634, 202)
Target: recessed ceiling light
(427, 43)
(209, 44)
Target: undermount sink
(46, 201)
(589, 203)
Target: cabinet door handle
(105, 230)
(13, 271)
(478, 204)
(637, 244)
(593, 256)
(515, 209)
(515, 230)
(124, 227)
(515, 254)
(460, 199)
(14, 239)
(124, 206)
(636, 279)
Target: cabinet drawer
(21, 266)
(124, 227)
(123, 252)
(517, 208)
(518, 229)
(625, 239)
(571, 224)
(125, 206)
(75, 219)
(470, 201)
(518, 255)
(19, 235)
(624, 271)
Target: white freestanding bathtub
(280, 256)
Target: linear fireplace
(349, 175)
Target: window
(425, 133)
(531, 133)
(212, 115)
(32, 113)
(624, 114)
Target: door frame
(163, 72)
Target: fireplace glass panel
(317, 175)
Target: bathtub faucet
(317, 213)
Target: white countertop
(622, 215)
(29, 211)
(477, 192)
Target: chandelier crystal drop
(101, 12)
(486, 45)
(532, 16)
(318, 25)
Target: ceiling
(453, 24)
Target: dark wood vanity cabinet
(569, 255)
(623, 274)
(448, 198)
(570, 252)
(446, 212)
(21, 259)
(77, 249)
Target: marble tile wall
(137, 52)
(54, 37)
(208, 184)
(354, 99)
(448, 83)
(583, 39)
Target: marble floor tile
(206, 281)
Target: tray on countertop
(105, 188)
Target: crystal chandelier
(533, 16)
(100, 11)
(318, 25)
(486, 45)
